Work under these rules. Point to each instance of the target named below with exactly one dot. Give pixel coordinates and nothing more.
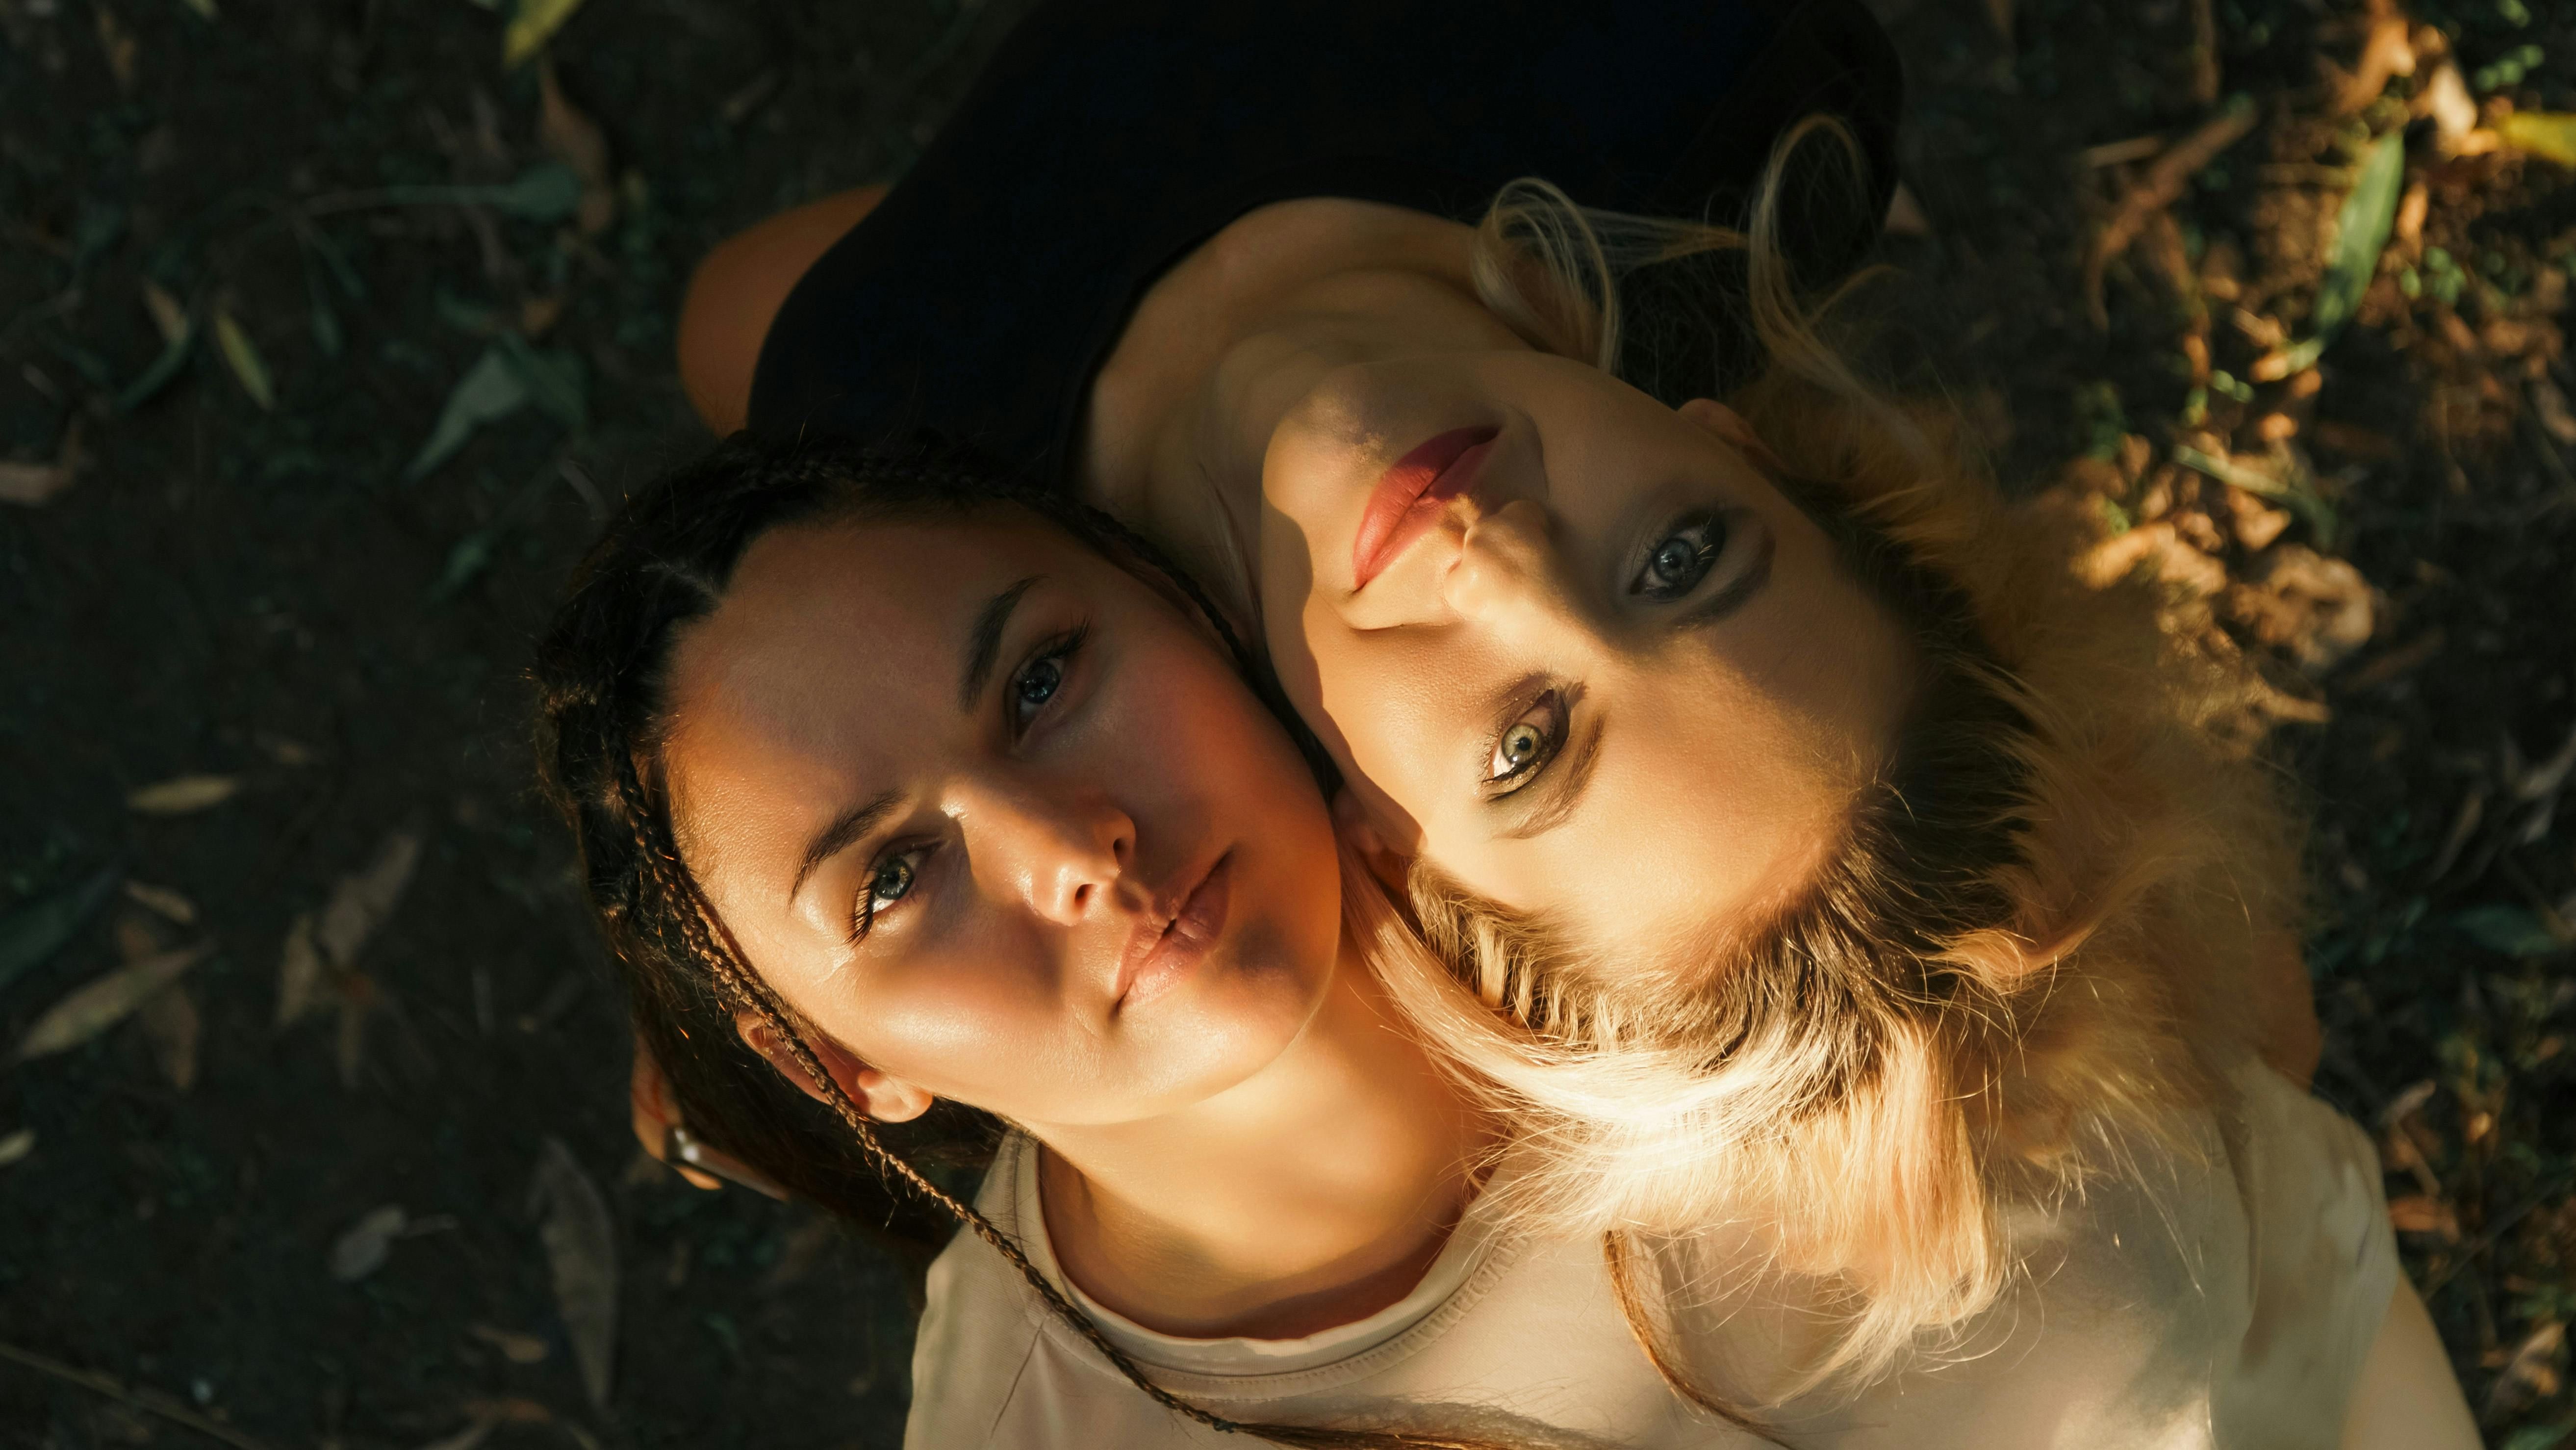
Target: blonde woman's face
(1570, 645)
(1000, 820)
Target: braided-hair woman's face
(999, 821)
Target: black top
(1108, 138)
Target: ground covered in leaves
(327, 330)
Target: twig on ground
(2157, 188)
(151, 1402)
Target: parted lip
(1409, 494)
(1174, 932)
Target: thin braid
(1617, 1256)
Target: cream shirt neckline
(1468, 1263)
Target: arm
(737, 291)
(2408, 1398)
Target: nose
(1063, 848)
(1508, 571)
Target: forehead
(834, 653)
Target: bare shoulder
(736, 292)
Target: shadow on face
(998, 821)
(1573, 648)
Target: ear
(884, 1097)
(1351, 818)
(1730, 426)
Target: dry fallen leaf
(171, 1025)
(573, 138)
(162, 899)
(299, 973)
(515, 1347)
(169, 317)
(361, 1248)
(2532, 1371)
(104, 1002)
(476, 1431)
(30, 485)
(362, 900)
(17, 1145)
(2418, 1213)
(2314, 608)
(182, 794)
(535, 23)
(2388, 52)
(118, 45)
(581, 1250)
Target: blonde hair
(2013, 974)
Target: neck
(1312, 1194)
(1222, 345)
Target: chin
(1239, 1017)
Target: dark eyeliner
(1063, 646)
(1560, 729)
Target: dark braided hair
(665, 560)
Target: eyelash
(1551, 741)
(1713, 530)
(1059, 649)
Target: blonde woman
(1852, 912)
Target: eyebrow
(984, 642)
(1559, 791)
(852, 824)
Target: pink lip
(1166, 947)
(1408, 497)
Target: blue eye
(892, 882)
(1042, 678)
(1038, 683)
(1681, 559)
(889, 882)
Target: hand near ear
(884, 1097)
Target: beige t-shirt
(2226, 1306)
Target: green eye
(1528, 743)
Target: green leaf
(491, 390)
(555, 380)
(469, 558)
(2536, 1437)
(174, 356)
(2361, 233)
(2509, 930)
(30, 936)
(547, 192)
(326, 327)
(336, 262)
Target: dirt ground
(357, 1174)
